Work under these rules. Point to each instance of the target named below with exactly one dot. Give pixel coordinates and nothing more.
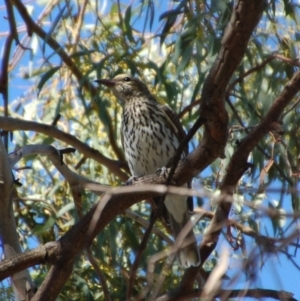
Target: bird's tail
(188, 255)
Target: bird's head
(125, 87)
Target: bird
(150, 134)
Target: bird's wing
(174, 122)
(122, 140)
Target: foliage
(170, 46)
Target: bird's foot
(131, 181)
(162, 172)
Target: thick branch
(245, 17)
(251, 293)
(238, 163)
(47, 253)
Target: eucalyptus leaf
(46, 76)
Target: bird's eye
(127, 79)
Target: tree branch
(245, 16)
(252, 293)
(238, 163)
(12, 124)
(22, 283)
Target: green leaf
(65, 209)
(53, 26)
(170, 14)
(177, 52)
(38, 229)
(128, 29)
(288, 7)
(152, 13)
(185, 59)
(45, 78)
(130, 233)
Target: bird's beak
(106, 82)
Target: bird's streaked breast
(149, 142)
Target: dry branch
(245, 16)
(13, 124)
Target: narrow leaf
(45, 77)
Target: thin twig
(5, 62)
(99, 273)
(12, 124)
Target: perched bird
(151, 133)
